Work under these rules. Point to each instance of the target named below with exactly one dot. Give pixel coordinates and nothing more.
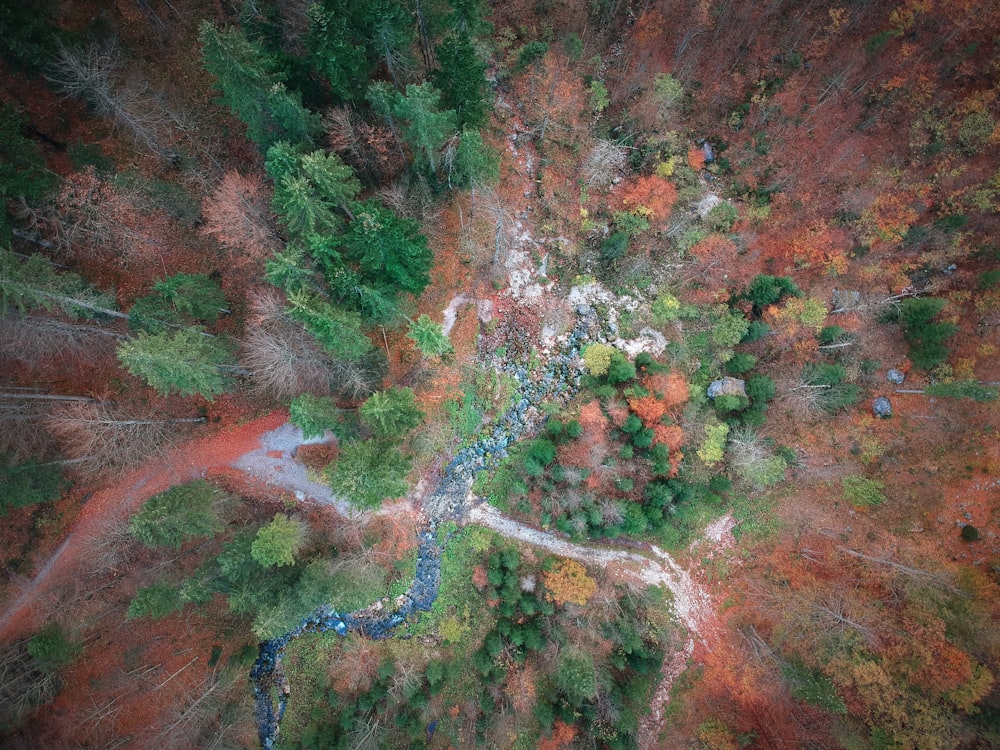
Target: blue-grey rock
(895, 376)
(882, 407)
(727, 386)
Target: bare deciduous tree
(605, 161)
(24, 686)
(95, 75)
(111, 439)
(33, 339)
(281, 355)
(285, 360)
(238, 215)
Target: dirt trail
(692, 603)
(213, 454)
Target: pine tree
(337, 55)
(314, 415)
(471, 163)
(254, 89)
(338, 331)
(178, 299)
(462, 81)
(36, 283)
(368, 472)
(182, 361)
(182, 513)
(277, 543)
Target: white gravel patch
(285, 472)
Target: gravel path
(274, 463)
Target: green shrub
(51, 648)
(760, 388)
(757, 330)
(970, 533)
(767, 290)
(620, 369)
(722, 217)
(741, 362)
(925, 336)
(614, 246)
(597, 358)
(154, 601)
(862, 492)
(28, 483)
(989, 279)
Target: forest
(533, 374)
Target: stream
(561, 376)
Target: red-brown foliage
(238, 215)
(671, 436)
(652, 192)
(562, 736)
(671, 387)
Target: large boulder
(895, 376)
(727, 386)
(882, 407)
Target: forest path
(259, 452)
(692, 603)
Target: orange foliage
(592, 419)
(568, 582)
(649, 409)
(654, 193)
(562, 736)
(671, 387)
(671, 436)
(696, 158)
(520, 687)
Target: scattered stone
(727, 386)
(706, 204)
(882, 407)
(895, 376)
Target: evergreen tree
(314, 415)
(368, 472)
(183, 297)
(391, 413)
(277, 543)
(462, 81)
(429, 337)
(177, 515)
(154, 601)
(22, 166)
(425, 126)
(925, 336)
(387, 249)
(36, 283)
(311, 190)
(338, 54)
(254, 89)
(28, 483)
(182, 361)
(338, 331)
(471, 163)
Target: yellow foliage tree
(568, 582)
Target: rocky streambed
(560, 376)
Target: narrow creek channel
(561, 376)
